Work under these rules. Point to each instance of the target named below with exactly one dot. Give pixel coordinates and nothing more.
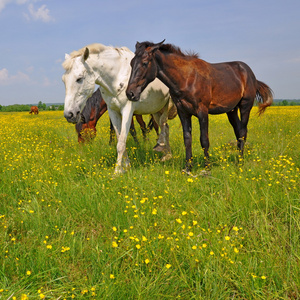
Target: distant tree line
(286, 102)
(26, 107)
(43, 106)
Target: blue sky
(36, 34)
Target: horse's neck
(112, 71)
(165, 75)
(173, 75)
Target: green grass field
(70, 229)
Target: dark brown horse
(95, 107)
(34, 109)
(199, 88)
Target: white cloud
(40, 14)
(7, 79)
(46, 82)
(3, 3)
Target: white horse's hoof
(205, 173)
(159, 148)
(119, 171)
(188, 173)
(166, 157)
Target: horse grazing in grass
(109, 67)
(199, 88)
(34, 109)
(95, 107)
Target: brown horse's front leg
(112, 133)
(133, 131)
(187, 137)
(204, 141)
(140, 120)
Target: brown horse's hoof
(159, 148)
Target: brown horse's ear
(155, 46)
(137, 45)
(86, 54)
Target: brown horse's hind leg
(187, 137)
(235, 123)
(245, 109)
(204, 140)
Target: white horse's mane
(95, 48)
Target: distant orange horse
(34, 109)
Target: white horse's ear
(86, 54)
(67, 56)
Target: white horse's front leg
(127, 114)
(122, 159)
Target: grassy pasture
(70, 229)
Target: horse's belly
(149, 107)
(113, 103)
(150, 103)
(221, 107)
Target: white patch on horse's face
(79, 83)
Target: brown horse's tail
(264, 96)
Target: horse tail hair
(264, 96)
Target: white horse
(110, 68)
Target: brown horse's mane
(169, 48)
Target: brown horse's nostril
(130, 95)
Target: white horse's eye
(79, 80)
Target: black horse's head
(144, 69)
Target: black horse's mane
(169, 48)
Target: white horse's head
(79, 80)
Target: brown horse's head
(144, 69)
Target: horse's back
(234, 76)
